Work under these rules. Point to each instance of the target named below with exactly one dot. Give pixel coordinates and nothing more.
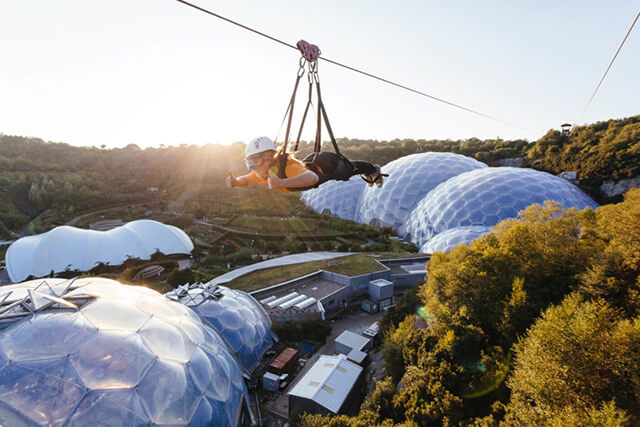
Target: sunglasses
(254, 161)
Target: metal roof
(415, 268)
(352, 340)
(380, 283)
(328, 382)
(283, 358)
(357, 356)
(372, 330)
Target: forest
(608, 150)
(537, 323)
(38, 176)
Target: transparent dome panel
(46, 335)
(45, 391)
(338, 198)
(484, 197)
(57, 368)
(112, 360)
(107, 408)
(166, 341)
(410, 179)
(449, 239)
(166, 393)
(161, 308)
(101, 313)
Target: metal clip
(311, 52)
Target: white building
(70, 248)
(331, 386)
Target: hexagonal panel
(166, 340)
(128, 367)
(236, 316)
(490, 195)
(107, 408)
(167, 394)
(102, 314)
(449, 239)
(160, 308)
(410, 179)
(46, 391)
(338, 198)
(112, 360)
(40, 336)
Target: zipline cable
(435, 98)
(610, 64)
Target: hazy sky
(156, 72)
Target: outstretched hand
(274, 183)
(230, 181)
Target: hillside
(65, 179)
(537, 323)
(603, 151)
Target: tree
(578, 357)
(615, 274)
(502, 280)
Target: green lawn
(354, 265)
(274, 224)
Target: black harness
(310, 54)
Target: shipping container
(285, 362)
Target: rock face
(612, 188)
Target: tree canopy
(535, 323)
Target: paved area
(355, 321)
(4, 277)
(277, 262)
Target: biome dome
(71, 248)
(410, 179)
(95, 352)
(239, 318)
(338, 198)
(485, 197)
(453, 237)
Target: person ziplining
(280, 170)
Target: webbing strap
(326, 120)
(304, 116)
(289, 111)
(320, 116)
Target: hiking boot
(380, 178)
(374, 178)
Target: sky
(151, 72)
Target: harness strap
(304, 116)
(291, 105)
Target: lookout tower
(566, 128)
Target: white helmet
(259, 145)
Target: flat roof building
(348, 341)
(332, 385)
(323, 293)
(380, 289)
